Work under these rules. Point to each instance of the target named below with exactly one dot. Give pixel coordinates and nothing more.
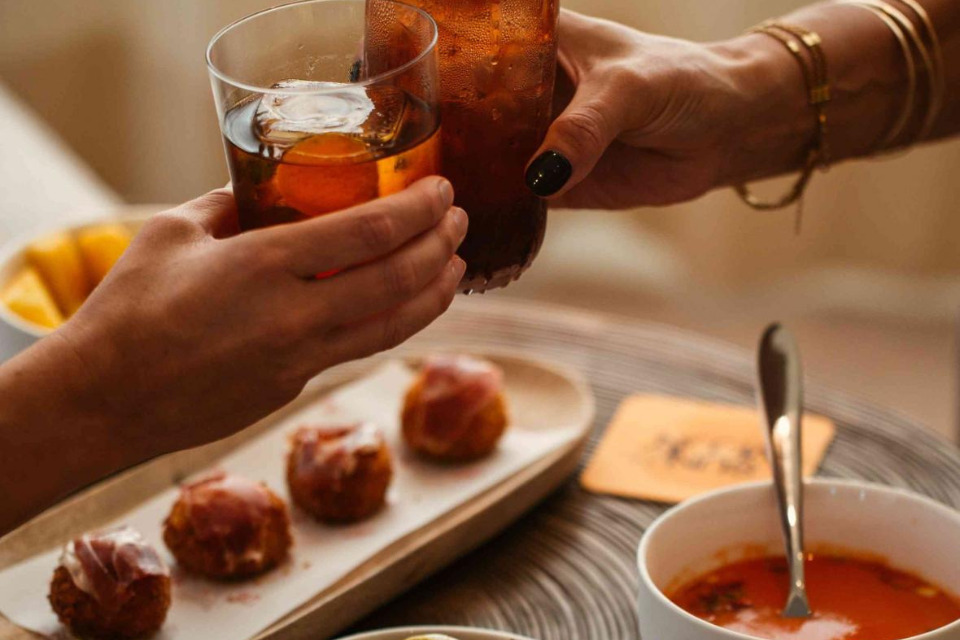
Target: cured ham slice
(455, 390)
(225, 506)
(455, 410)
(225, 526)
(339, 473)
(333, 452)
(105, 564)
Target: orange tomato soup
(852, 599)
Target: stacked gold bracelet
(918, 40)
(813, 65)
(927, 48)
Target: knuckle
(322, 318)
(584, 128)
(377, 231)
(438, 202)
(450, 238)
(169, 225)
(445, 299)
(394, 332)
(270, 258)
(284, 335)
(212, 202)
(217, 199)
(299, 326)
(622, 76)
(259, 254)
(401, 277)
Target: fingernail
(460, 220)
(459, 267)
(446, 192)
(548, 173)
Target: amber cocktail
(497, 68)
(322, 108)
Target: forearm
(868, 77)
(54, 435)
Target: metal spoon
(781, 397)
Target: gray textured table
(566, 571)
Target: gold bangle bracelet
(909, 103)
(934, 98)
(815, 77)
(927, 22)
(940, 65)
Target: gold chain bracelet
(818, 95)
(820, 85)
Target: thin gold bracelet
(820, 91)
(927, 22)
(934, 98)
(909, 105)
(818, 95)
(940, 66)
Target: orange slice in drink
(400, 171)
(326, 173)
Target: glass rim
(380, 77)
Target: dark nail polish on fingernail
(548, 173)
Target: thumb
(575, 141)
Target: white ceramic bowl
(17, 334)
(460, 633)
(911, 532)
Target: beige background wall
(872, 286)
(123, 81)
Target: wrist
(774, 126)
(56, 436)
(63, 385)
(98, 398)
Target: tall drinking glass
(323, 106)
(497, 68)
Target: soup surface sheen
(852, 599)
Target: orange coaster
(670, 449)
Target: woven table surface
(566, 570)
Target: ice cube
(382, 126)
(309, 108)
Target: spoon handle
(781, 394)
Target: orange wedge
(27, 296)
(326, 173)
(57, 259)
(101, 247)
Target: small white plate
(458, 633)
